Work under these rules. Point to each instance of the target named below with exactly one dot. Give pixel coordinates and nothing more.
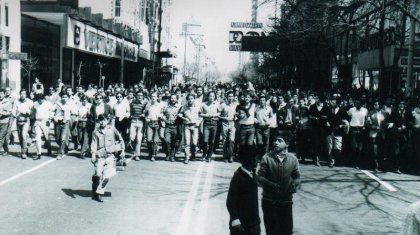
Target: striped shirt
(137, 108)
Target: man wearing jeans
(152, 115)
(137, 121)
(227, 116)
(5, 113)
(22, 110)
(190, 115)
(246, 115)
(279, 176)
(43, 112)
(169, 117)
(62, 124)
(263, 115)
(209, 112)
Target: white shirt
(122, 110)
(24, 107)
(358, 117)
(43, 111)
(153, 111)
(83, 111)
(251, 119)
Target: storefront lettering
(97, 43)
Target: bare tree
(79, 72)
(29, 66)
(100, 66)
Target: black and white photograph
(209, 117)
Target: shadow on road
(81, 193)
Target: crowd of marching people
(355, 130)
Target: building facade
(10, 42)
(91, 41)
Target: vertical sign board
(240, 29)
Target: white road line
(385, 184)
(27, 172)
(189, 206)
(200, 225)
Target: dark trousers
(246, 135)
(302, 143)
(209, 134)
(171, 139)
(83, 136)
(278, 219)
(3, 132)
(399, 143)
(253, 230)
(262, 138)
(122, 127)
(62, 133)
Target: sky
(214, 16)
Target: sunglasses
(118, 96)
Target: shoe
(37, 157)
(4, 154)
(60, 157)
(152, 159)
(124, 162)
(230, 160)
(136, 158)
(172, 159)
(317, 163)
(23, 156)
(208, 159)
(398, 171)
(97, 197)
(186, 161)
(49, 153)
(167, 158)
(356, 167)
(82, 156)
(225, 160)
(376, 170)
(331, 165)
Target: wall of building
(11, 35)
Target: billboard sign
(241, 29)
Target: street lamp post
(185, 33)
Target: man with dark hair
(398, 125)
(279, 176)
(227, 116)
(246, 115)
(189, 113)
(376, 125)
(62, 124)
(336, 126)
(106, 141)
(42, 113)
(171, 134)
(209, 111)
(22, 111)
(263, 115)
(242, 198)
(137, 108)
(5, 113)
(358, 116)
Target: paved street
(53, 197)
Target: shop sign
(130, 50)
(89, 39)
(14, 56)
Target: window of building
(117, 8)
(6, 12)
(143, 11)
(7, 43)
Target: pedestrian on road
(279, 176)
(242, 199)
(106, 141)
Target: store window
(117, 8)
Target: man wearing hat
(106, 141)
(279, 176)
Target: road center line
(27, 172)
(200, 225)
(385, 184)
(189, 205)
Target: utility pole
(185, 33)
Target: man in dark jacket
(242, 199)
(279, 176)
